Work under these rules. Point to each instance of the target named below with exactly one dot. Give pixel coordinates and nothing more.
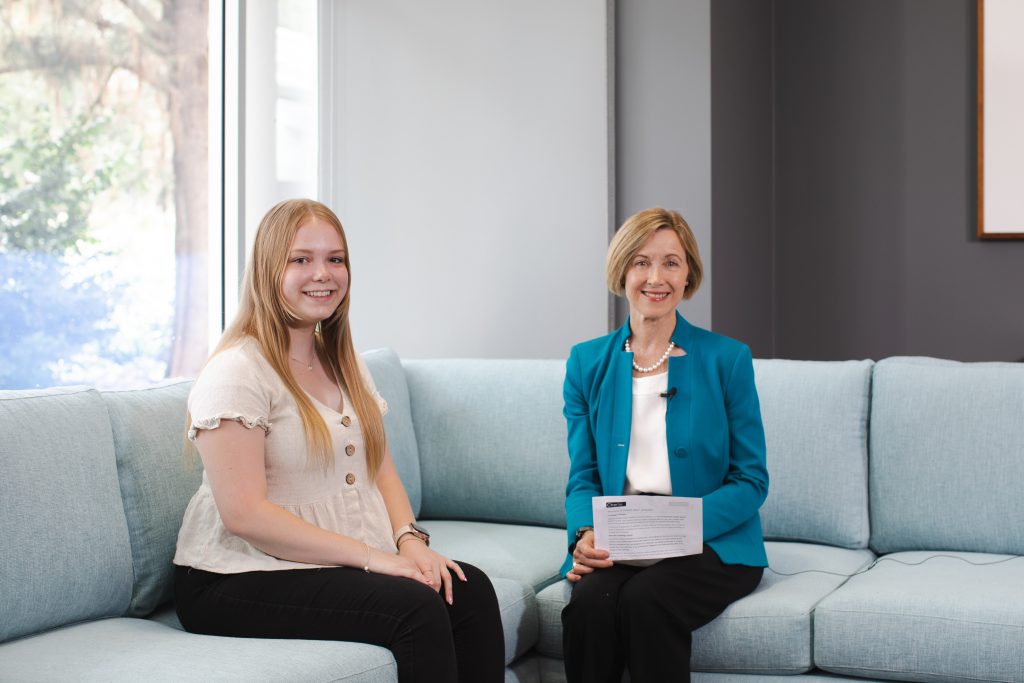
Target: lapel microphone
(668, 394)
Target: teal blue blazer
(716, 447)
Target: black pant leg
(663, 604)
(338, 603)
(476, 627)
(591, 643)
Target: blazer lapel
(622, 414)
(678, 427)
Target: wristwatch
(414, 529)
(579, 534)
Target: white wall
(468, 153)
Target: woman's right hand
(393, 564)
(586, 558)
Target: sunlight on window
(281, 104)
(103, 191)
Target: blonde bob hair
(265, 316)
(630, 237)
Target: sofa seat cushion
(768, 632)
(927, 616)
(553, 671)
(158, 649)
(519, 559)
(518, 605)
(529, 554)
(126, 649)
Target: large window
(271, 120)
(103, 191)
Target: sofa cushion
(530, 555)
(815, 421)
(158, 649)
(525, 670)
(64, 551)
(518, 606)
(142, 649)
(389, 377)
(768, 632)
(491, 438)
(158, 477)
(926, 616)
(943, 433)
(553, 671)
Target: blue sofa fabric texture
(65, 555)
(947, 465)
(147, 426)
(816, 429)
(893, 522)
(890, 622)
(388, 375)
(484, 424)
(769, 631)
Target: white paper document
(648, 527)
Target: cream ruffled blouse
(238, 384)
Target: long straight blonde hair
(265, 316)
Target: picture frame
(1000, 119)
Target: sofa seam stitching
(921, 616)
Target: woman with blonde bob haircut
(658, 407)
(637, 229)
(301, 527)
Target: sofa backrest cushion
(947, 456)
(492, 439)
(816, 426)
(388, 375)
(157, 477)
(64, 551)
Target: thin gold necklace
(308, 364)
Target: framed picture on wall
(1000, 119)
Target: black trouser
(642, 617)
(430, 640)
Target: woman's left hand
(586, 558)
(432, 564)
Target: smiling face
(656, 276)
(315, 279)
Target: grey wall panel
(663, 120)
(839, 174)
(964, 297)
(742, 171)
(876, 198)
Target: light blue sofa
(895, 521)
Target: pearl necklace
(652, 368)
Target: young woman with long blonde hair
(301, 527)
